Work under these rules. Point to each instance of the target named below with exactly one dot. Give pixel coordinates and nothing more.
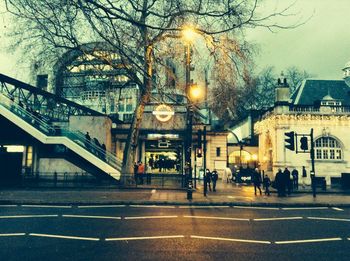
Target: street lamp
(188, 35)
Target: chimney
(282, 95)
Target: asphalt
(226, 194)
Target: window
(328, 148)
(29, 158)
(218, 152)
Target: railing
(173, 181)
(326, 109)
(42, 124)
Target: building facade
(319, 105)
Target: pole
(312, 156)
(188, 139)
(205, 159)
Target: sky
(321, 46)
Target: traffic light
(289, 140)
(199, 138)
(304, 143)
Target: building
(321, 105)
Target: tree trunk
(145, 92)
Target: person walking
(304, 176)
(295, 175)
(256, 180)
(227, 175)
(287, 180)
(266, 184)
(136, 167)
(140, 172)
(214, 178)
(280, 185)
(208, 178)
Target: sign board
(163, 112)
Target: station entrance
(11, 166)
(164, 156)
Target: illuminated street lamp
(188, 34)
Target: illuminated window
(29, 156)
(328, 148)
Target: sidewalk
(227, 194)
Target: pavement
(226, 194)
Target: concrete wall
(47, 166)
(214, 141)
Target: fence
(171, 181)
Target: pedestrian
(287, 180)
(256, 180)
(304, 176)
(214, 178)
(280, 185)
(87, 140)
(266, 184)
(227, 175)
(148, 174)
(140, 172)
(208, 178)
(295, 175)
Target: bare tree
(137, 29)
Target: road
(137, 232)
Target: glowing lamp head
(188, 33)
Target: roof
(313, 91)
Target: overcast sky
(321, 46)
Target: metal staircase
(21, 111)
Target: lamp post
(188, 35)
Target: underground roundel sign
(163, 112)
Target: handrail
(76, 136)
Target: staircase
(39, 127)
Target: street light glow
(188, 33)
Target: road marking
(150, 206)
(66, 237)
(103, 206)
(143, 238)
(204, 206)
(338, 209)
(256, 208)
(8, 206)
(83, 216)
(331, 219)
(29, 216)
(309, 240)
(12, 234)
(312, 208)
(281, 218)
(150, 217)
(220, 218)
(44, 206)
(232, 239)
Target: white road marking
(12, 234)
(338, 209)
(83, 216)
(331, 219)
(29, 216)
(44, 206)
(311, 208)
(256, 208)
(280, 218)
(220, 218)
(66, 237)
(150, 206)
(142, 238)
(8, 206)
(232, 239)
(204, 206)
(309, 240)
(149, 217)
(103, 206)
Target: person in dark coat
(266, 184)
(208, 178)
(280, 185)
(295, 175)
(287, 180)
(256, 180)
(214, 178)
